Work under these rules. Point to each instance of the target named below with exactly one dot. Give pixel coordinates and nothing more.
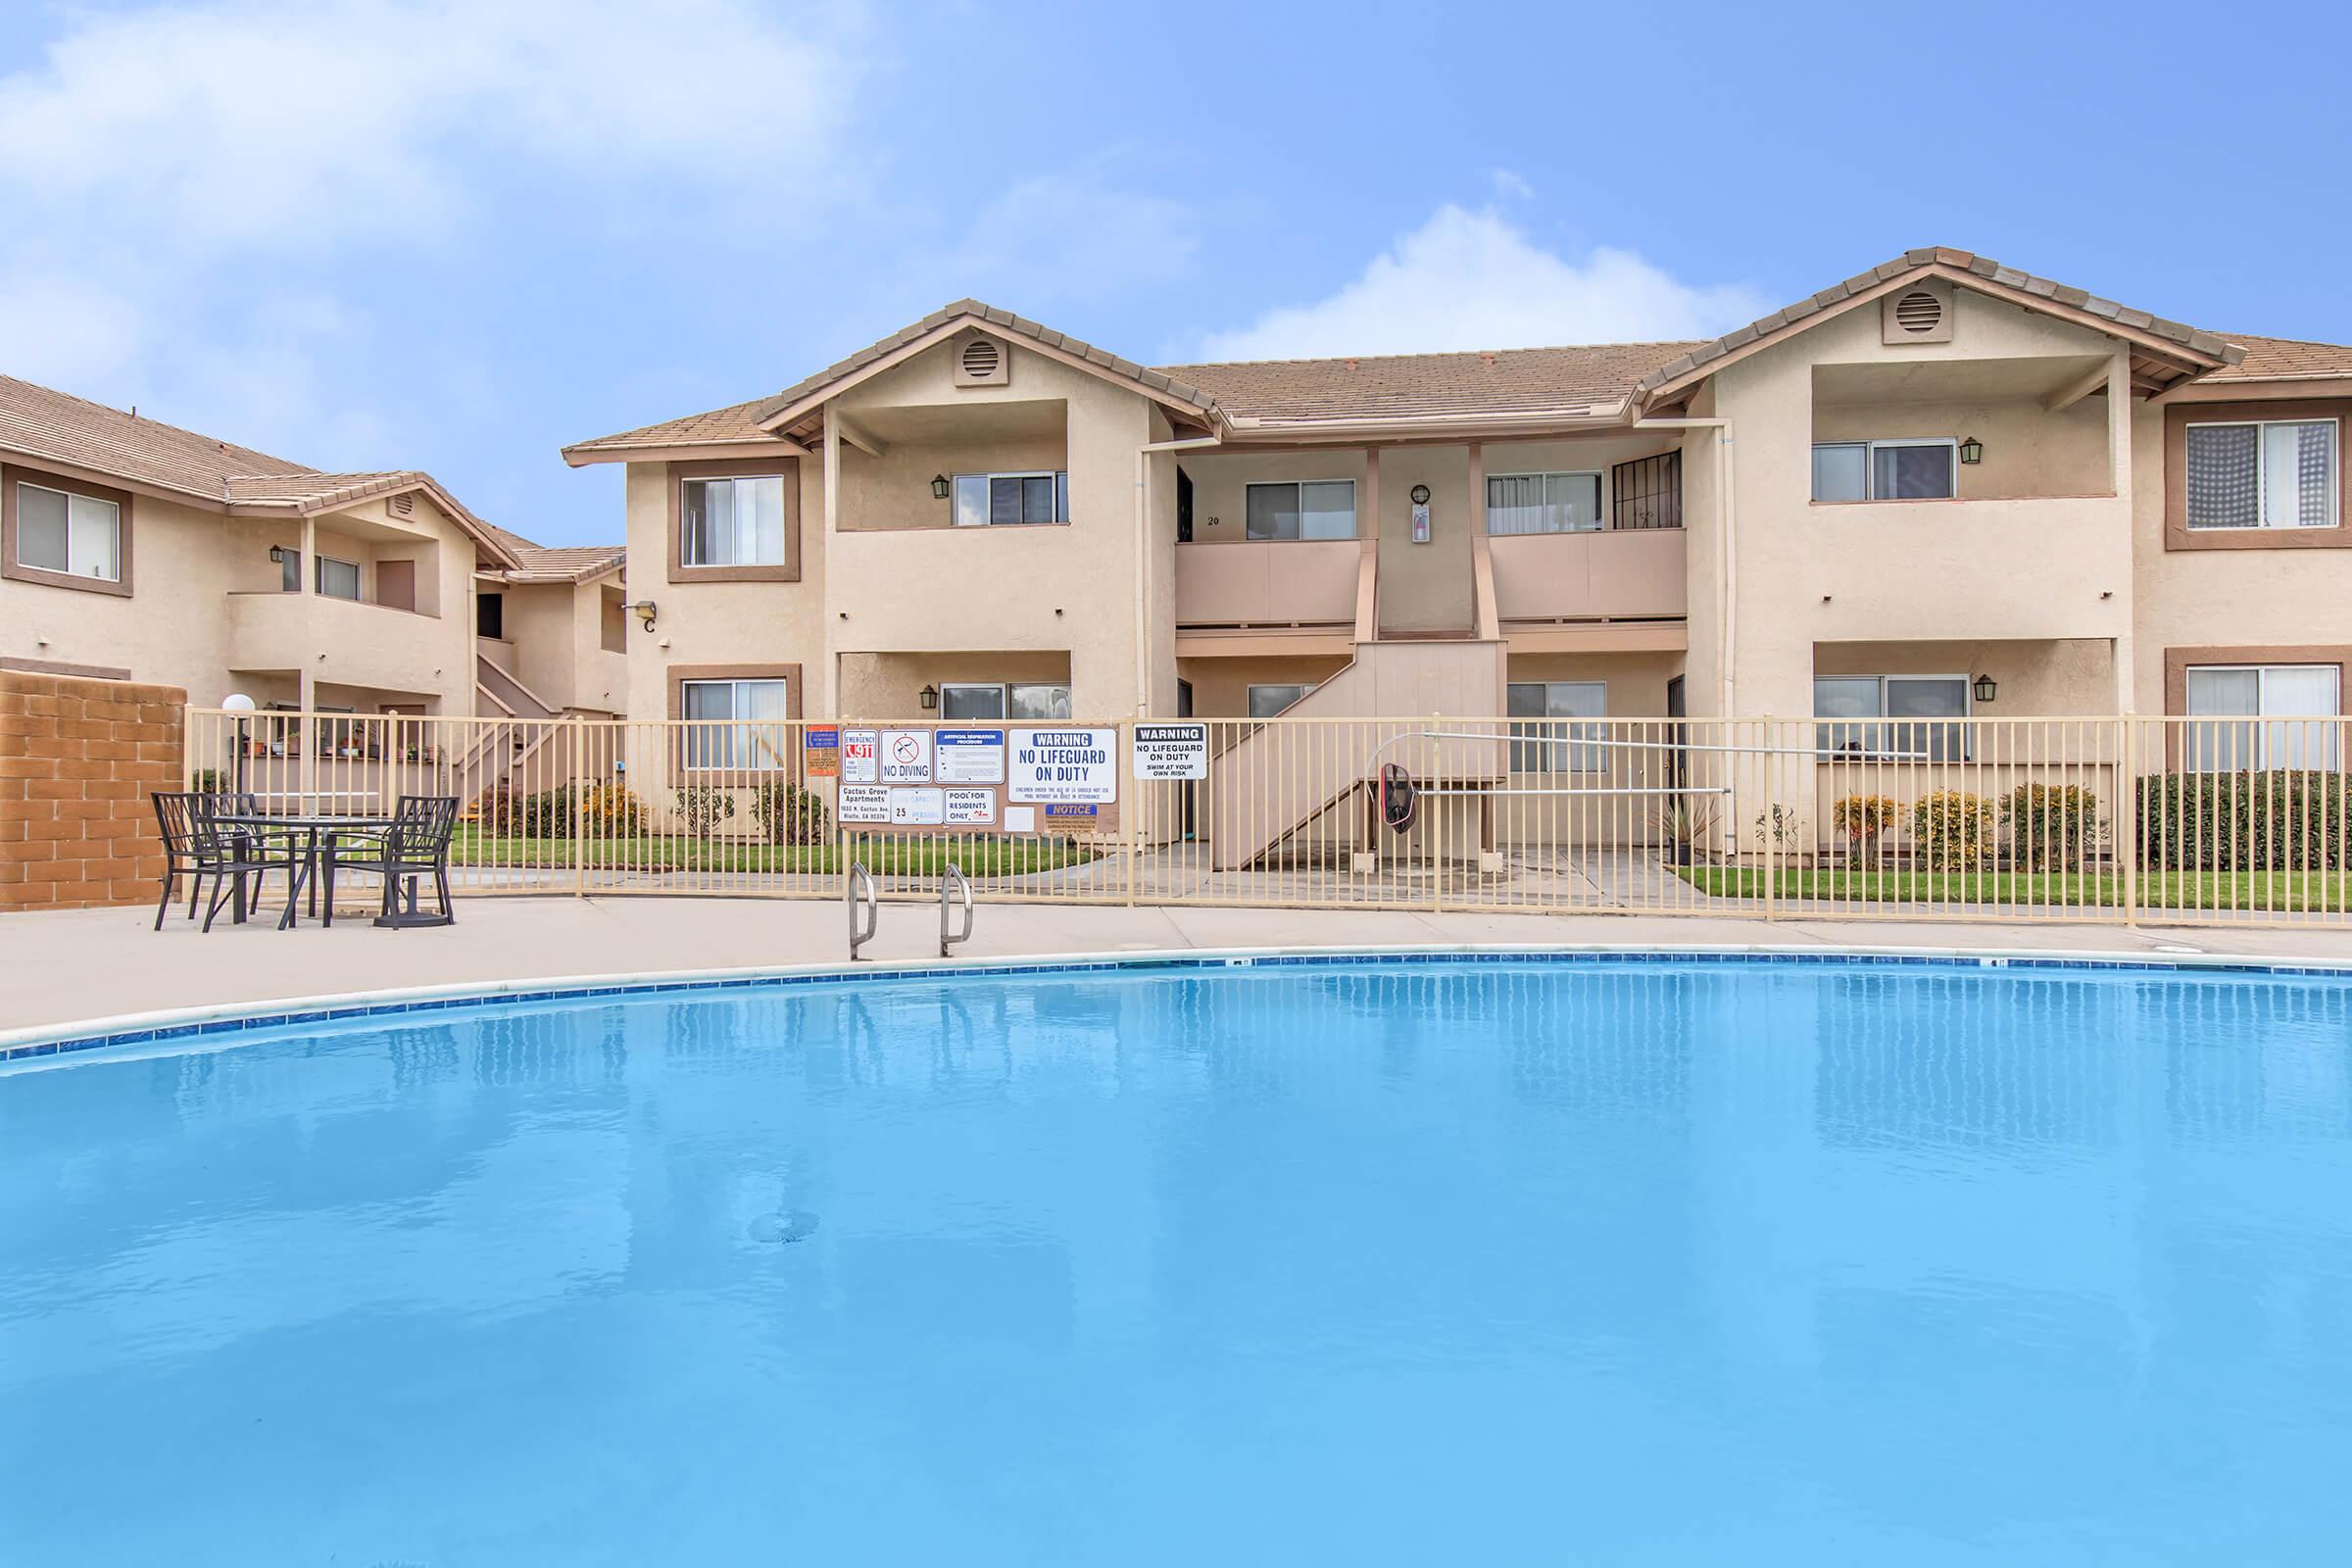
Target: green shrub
(1863, 818)
(611, 812)
(2267, 821)
(788, 814)
(2053, 827)
(1951, 830)
(209, 781)
(704, 808)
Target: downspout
(1727, 553)
(1143, 556)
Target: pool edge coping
(173, 1025)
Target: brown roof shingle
(1495, 383)
(556, 562)
(2286, 359)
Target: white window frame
(359, 578)
(1304, 688)
(1600, 503)
(686, 531)
(2206, 736)
(72, 565)
(1870, 466)
(2262, 479)
(1062, 498)
(1882, 724)
(707, 747)
(1355, 515)
(1561, 745)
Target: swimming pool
(1432, 1261)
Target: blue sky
(455, 234)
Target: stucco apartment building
(1938, 478)
(135, 551)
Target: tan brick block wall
(79, 760)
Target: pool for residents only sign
(1064, 766)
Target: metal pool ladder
(859, 874)
(952, 883)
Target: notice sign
(820, 751)
(905, 757)
(971, 808)
(1050, 767)
(971, 756)
(860, 756)
(917, 807)
(1167, 752)
(863, 803)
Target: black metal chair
(414, 845)
(241, 855)
(192, 846)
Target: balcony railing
(1268, 582)
(1616, 574)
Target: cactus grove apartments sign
(1064, 766)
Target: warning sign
(1063, 765)
(863, 803)
(1171, 752)
(820, 751)
(860, 756)
(905, 757)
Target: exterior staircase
(499, 754)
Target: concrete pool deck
(70, 967)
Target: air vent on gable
(1919, 315)
(402, 506)
(982, 362)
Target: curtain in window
(2299, 691)
(733, 523)
(2219, 747)
(94, 527)
(708, 744)
(1327, 510)
(2225, 483)
(1040, 700)
(1516, 503)
(2298, 477)
(971, 702)
(1842, 473)
(42, 532)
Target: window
(490, 616)
(1311, 508)
(2270, 474)
(2279, 692)
(1543, 503)
(1881, 717)
(733, 523)
(1920, 469)
(77, 535)
(1550, 746)
(1041, 701)
(1268, 702)
(338, 579)
(1648, 492)
(289, 570)
(741, 744)
(982, 499)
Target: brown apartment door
(396, 584)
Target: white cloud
(250, 122)
(1057, 237)
(1473, 280)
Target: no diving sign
(1171, 753)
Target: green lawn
(2284, 891)
(883, 855)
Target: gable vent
(982, 362)
(401, 506)
(1921, 314)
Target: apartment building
(136, 550)
(1941, 487)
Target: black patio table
(310, 828)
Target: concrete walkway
(58, 968)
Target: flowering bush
(1863, 818)
(1952, 830)
(611, 812)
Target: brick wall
(78, 760)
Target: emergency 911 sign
(1064, 766)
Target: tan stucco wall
(884, 686)
(1221, 686)
(2026, 452)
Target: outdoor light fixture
(930, 699)
(1985, 690)
(938, 487)
(239, 704)
(643, 610)
(1971, 451)
(277, 554)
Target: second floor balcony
(363, 644)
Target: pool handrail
(873, 906)
(951, 882)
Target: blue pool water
(1435, 1264)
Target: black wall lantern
(1971, 451)
(277, 554)
(930, 699)
(938, 487)
(1985, 690)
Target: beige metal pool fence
(2090, 820)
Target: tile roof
(557, 562)
(2201, 344)
(40, 423)
(2284, 359)
(1410, 386)
(736, 422)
